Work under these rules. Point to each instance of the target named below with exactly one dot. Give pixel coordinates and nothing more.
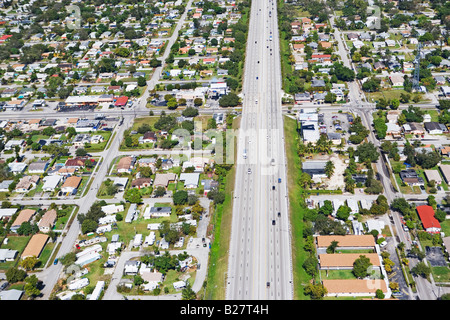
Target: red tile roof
(426, 214)
(121, 101)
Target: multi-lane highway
(260, 252)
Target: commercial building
(355, 287)
(347, 241)
(316, 169)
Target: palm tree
(323, 145)
(341, 145)
(329, 169)
(309, 147)
(305, 179)
(350, 185)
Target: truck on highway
(272, 162)
(245, 154)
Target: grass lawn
(337, 274)
(441, 274)
(46, 252)
(391, 94)
(64, 217)
(445, 225)
(150, 120)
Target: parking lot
(334, 122)
(435, 256)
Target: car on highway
(56, 261)
(273, 222)
(249, 171)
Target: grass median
(297, 208)
(220, 225)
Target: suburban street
(260, 264)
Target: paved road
(259, 251)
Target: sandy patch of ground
(337, 179)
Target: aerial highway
(260, 265)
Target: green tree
(217, 196)
(310, 265)
(316, 291)
(367, 152)
(133, 195)
(160, 191)
(141, 82)
(326, 208)
(229, 100)
(187, 293)
(380, 127)
(332, 247)
(180, 197)
(29, 263)
(89, 225)
(421, 269)
(329, 168)
(31, 286)
(80, 152)
(343, 213)
(190, 112)
(14, 275)
(361, 267)
(379, 294)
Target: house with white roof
(51, 183)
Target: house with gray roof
(38, 167)
(316, 169)
(190, 179)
